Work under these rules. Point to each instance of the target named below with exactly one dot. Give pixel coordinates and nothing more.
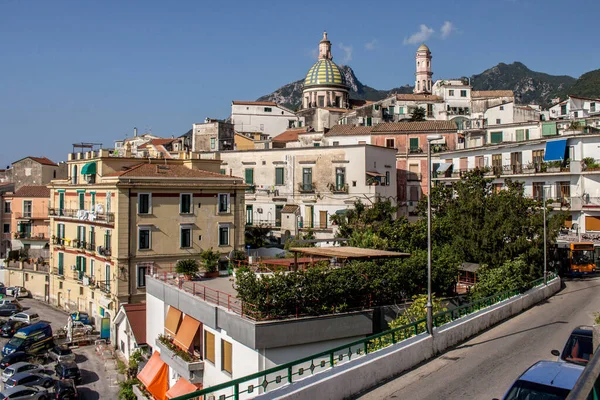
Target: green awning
(89, 169)
(342, 212)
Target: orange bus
(577, 258)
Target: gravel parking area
(100, 376)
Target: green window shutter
(400, 110)
(526, 134)
(520, 135)
(369, 121)
(391, 110)
(496, 137)
(249, 176)
(223, 172)
(93, 194)
(279, 176)
(81, 201)
(549, 129)
(61, 263)
(414, 143)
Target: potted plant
(529, 168)
(553, 166)
(210, 262)
(188, 268)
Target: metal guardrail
(284, 374)
(588, 384)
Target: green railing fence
(285, 374)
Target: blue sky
(73, 71)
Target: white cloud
(347, 53)
(418, 37)
(371, 45)
(447, 29)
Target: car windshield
(525, 390)
(71, 371)
(11, 382)
(578, 349)
(16, 341)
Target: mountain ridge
(530, 87)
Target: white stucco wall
(155, 319)
(254, 118)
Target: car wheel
(42, 398)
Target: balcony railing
(415, 150)
(82, 215)
(31, 236)
(306, 187)
(30, 215)
(103, 286)
(335, 188)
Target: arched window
(418, 85)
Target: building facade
(262, 117)
(31, 233)
(115, 219)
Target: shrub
(187, 267)
(126, 389)
(210, 260)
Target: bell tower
(423, 75)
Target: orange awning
(181, 388)
(155, 376)
(172, 322)
(186, 332)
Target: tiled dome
(324, 72)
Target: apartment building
(31, 227)
(115, 219)
(262, 117)
(5, 218)
(297, 188)
(562, 167)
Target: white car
(17, 291)
(9, 301)
(30, 318)
(80, 328)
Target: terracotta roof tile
(290, 208)
(291, 135)
(146, 170)
(360, 103)
(418, 97)
(349, 130)
(41, 160)
(254, 103)
(416, 126)
(478, 94)
(33, 191)
(136, 315)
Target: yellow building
(117, 219)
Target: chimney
(134, 131)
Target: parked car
(80, 328)
(18, 291)
(11, 326)
(19, 367)
(9, 310)
(24, 392)
(30, 318)
(68, 370)
(65, 389)
(9, 301)
(29, 379)
(81, 316)
(61, 353)
(14, 358)
(545, 380)
(579, 346)
(35, 338)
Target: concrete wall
(353, 377)
(33, 281)
(254, 118)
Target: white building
(129, 327)
(264, 117)
(320, 181)
(550, 166)
(575, 107)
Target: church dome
(423, 47)
(324, 73)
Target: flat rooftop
(347, 252)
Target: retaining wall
(353, 377)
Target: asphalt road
(487, 365)
(99, 376)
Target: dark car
(579, 347)
(8, 310)
(65, 389)
(14, 358)
(68, 370)
(9, 328)
(29, 379)
(61, 353)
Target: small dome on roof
(423, 47)
(324, 72)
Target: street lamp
(430, 138)
(545, 252)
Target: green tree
(418, 114)
(210, 260)
(256, 236)
(187, 267)
(301, 240)
(512, 275)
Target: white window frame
(149, 203)
(228, 203)
(228, 234)
(181, 228)
(191, 203)
(30, 210)
(145, 228)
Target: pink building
(30, 223)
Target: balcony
(31, 236)
(104, 286)
(26, 216)
(413, 176)
(191, 369)
(306, 187)
(335, 188)
(82, 215)
(415, 150)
